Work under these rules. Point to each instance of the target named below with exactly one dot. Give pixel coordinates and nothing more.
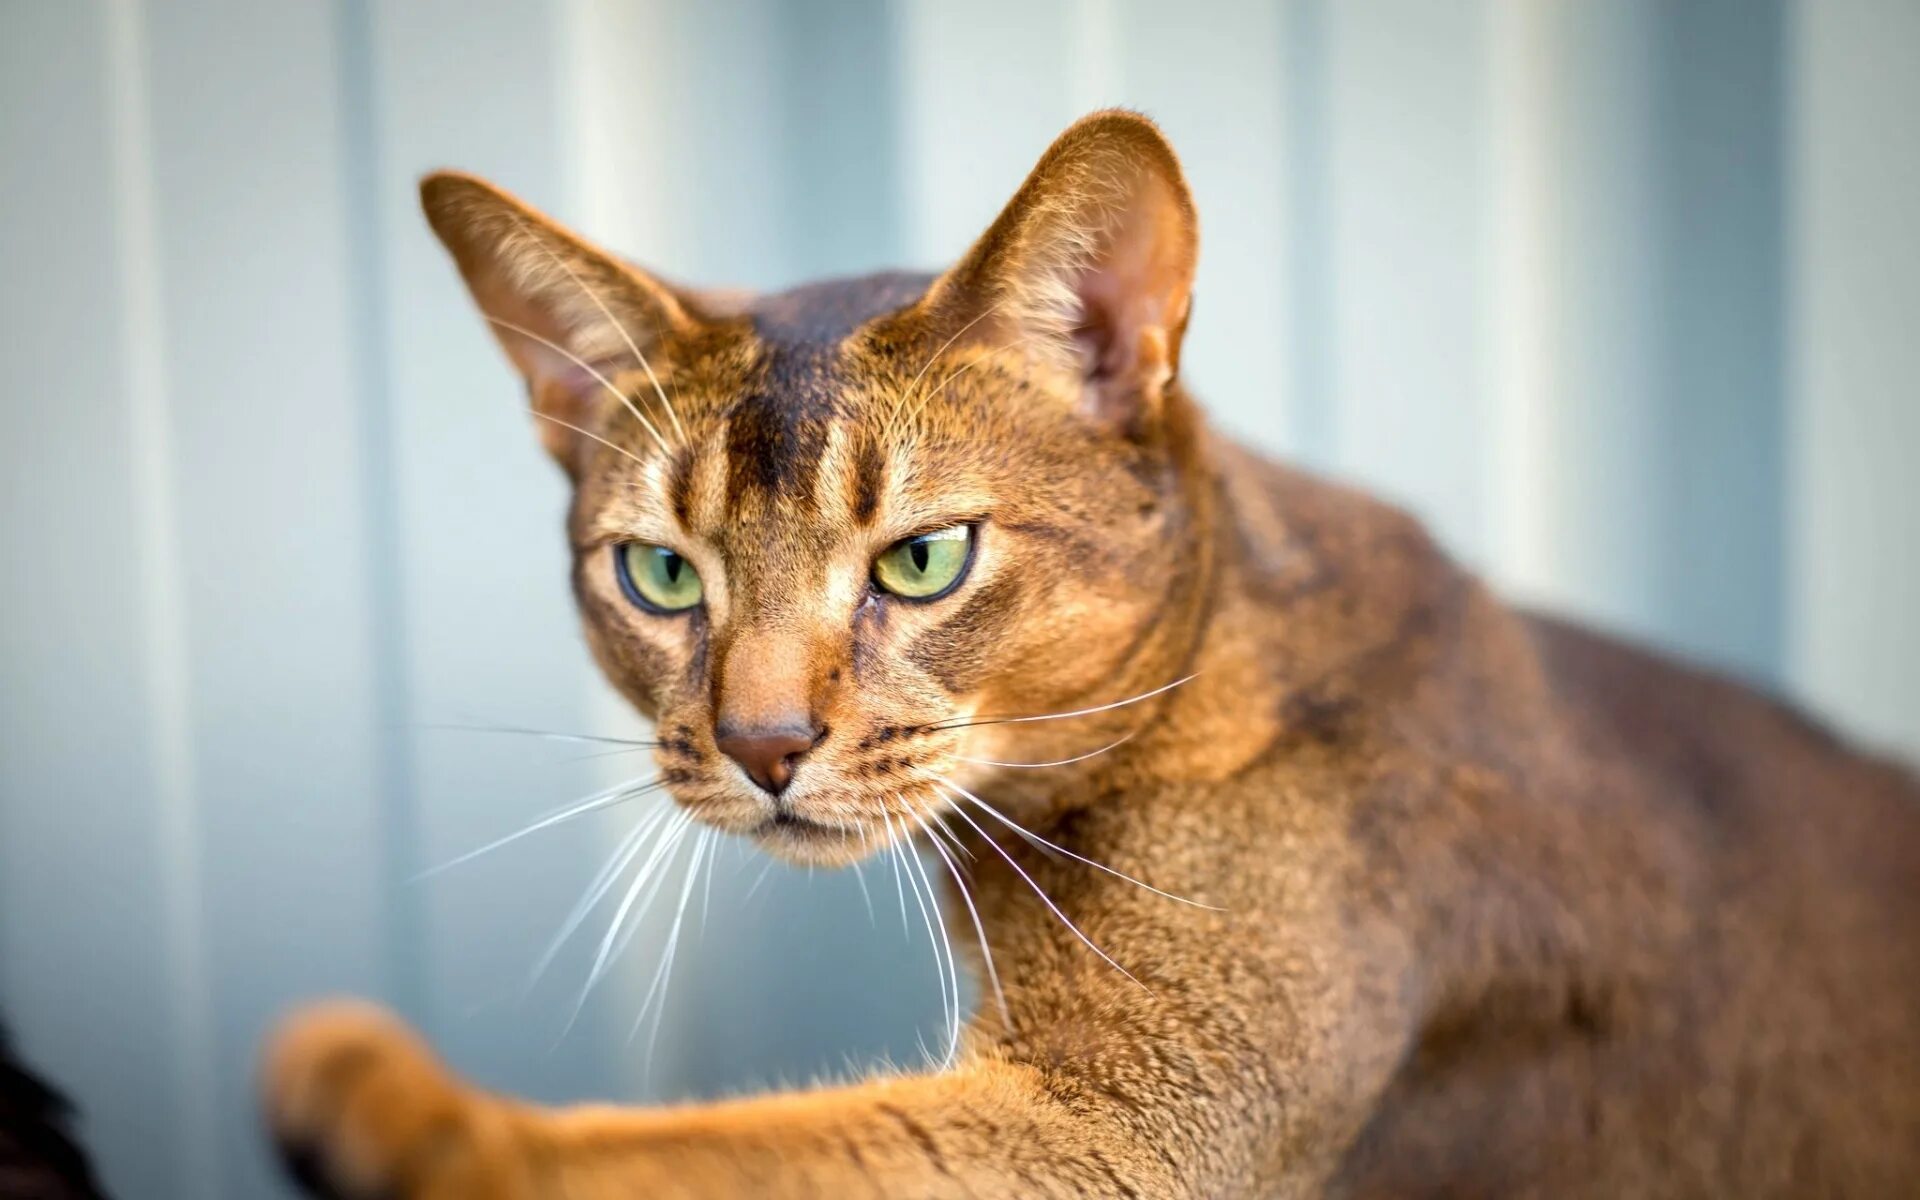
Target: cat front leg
(361, 1108)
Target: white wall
(1618, 296)
(1854, 424)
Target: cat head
(826, 539)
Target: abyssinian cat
(1470, 902)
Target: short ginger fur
(1494, 906)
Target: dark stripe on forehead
(869, 475)
(680, 488)
(823, 314)
(774, 444)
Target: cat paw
(361, 1110)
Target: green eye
(921, 568)
(655, 578)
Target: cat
(1357, 881)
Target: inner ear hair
(1091, 263)
(566, 313)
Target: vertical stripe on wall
(1854, 541)
(268, 451)
(1597, 523)
(188, 997)
(100, 957)
(1306, 221)
(1408, 182)
(1718, 177)
(1640, 442)
(1519, 323)
(364, 174)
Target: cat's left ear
(1091, 264)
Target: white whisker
(622, 857)
(664, 872)
(1058, 762)
(590, 369)
(662, 849)
(939, 924)
(979, 927)
(706, 890)
(765, 871)
(1061, 716)
(866, 897)
(962, 369)
(949, 1003)
(912, 388)
(1046, 899)
(898, 886)
(594, 295)
(940, 820)
(628, 743)
(664, 972)
(617, 794)
(600, 754)
(587, 433)
(1037, 840)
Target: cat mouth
(787, 834)
(787, 823)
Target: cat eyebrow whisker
(618, 794)
(979, 927)
(968, 722)
(632, 345)
(1046, 899)
(1058, 762)
(913, 387)
(956, 373)
(592, 370)
(585, 433)
(1044, 844)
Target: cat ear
(561, 308)
(1091, 264)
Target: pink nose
(767, 755)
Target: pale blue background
(1621, 296)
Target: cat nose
(768, 753)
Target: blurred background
(1621, 296)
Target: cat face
(826, 539)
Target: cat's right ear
(565, 311)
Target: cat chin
(796, 840)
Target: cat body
(1306, 866)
